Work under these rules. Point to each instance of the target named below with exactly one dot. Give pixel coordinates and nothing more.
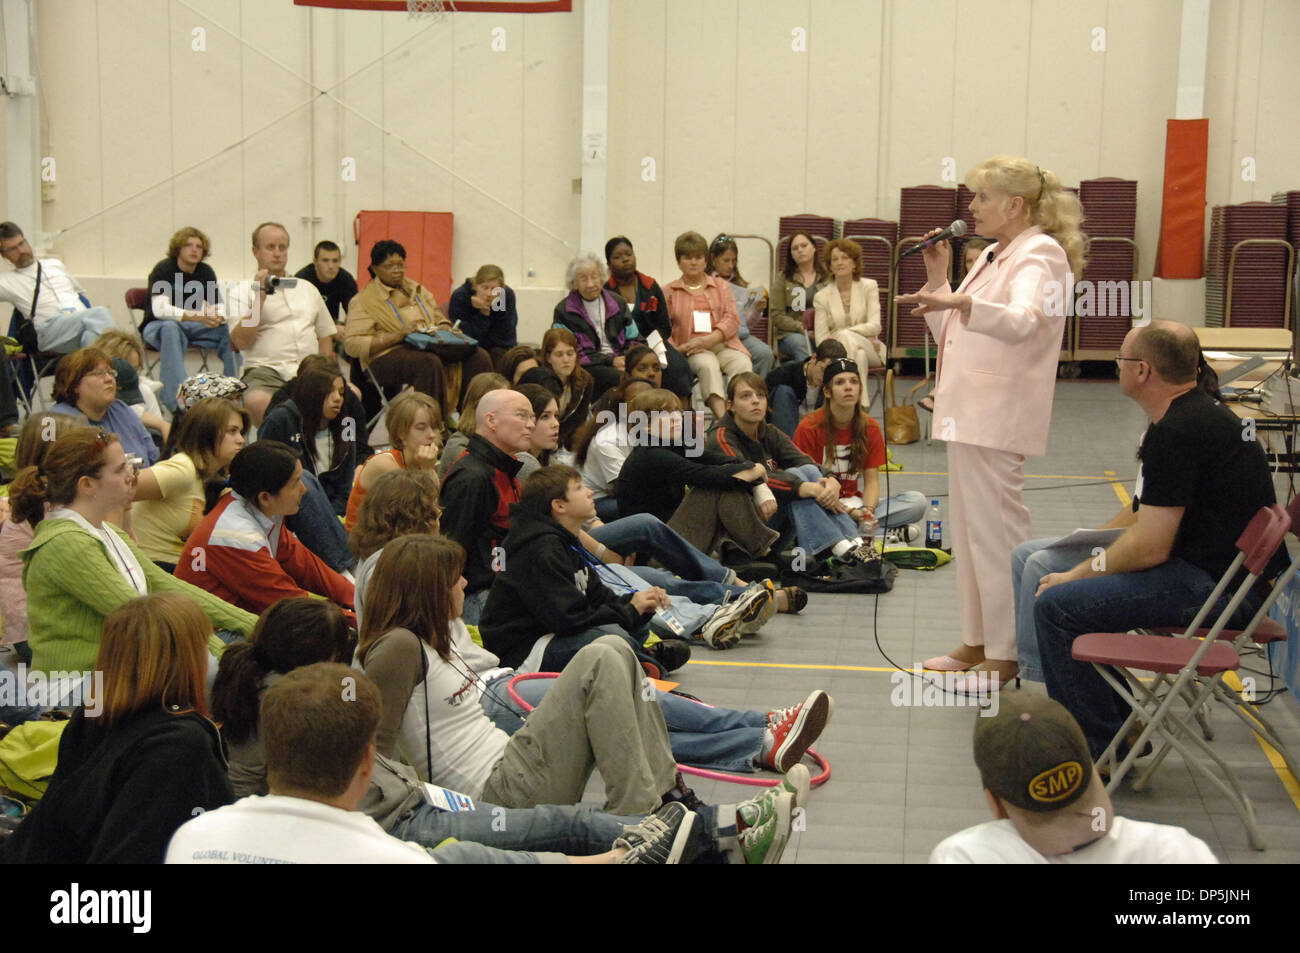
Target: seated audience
(603, 443)
(600, 320)
(517, 361)
(536, 622)
(243, 552)
(706, 325)
(842, 437)
(650, 310)
(79, 568)
(417, 649)
(1049, 800)
(458, 442)
(328, 787)
(354, 406)
(85, 385)
(402, 502)
(546, 430)
(275, 321)
(560, 354)
(848, 307)
(385, 312)
(40, 432)
(793, 291)
(143, 758)
(751, 304)
(184, 309)
(484, 308)
(1200, 486)
(797, 494)
(135, 390)
(312, 422)
(171, 496)
(795, 389)
(51, 298)
(414, 425)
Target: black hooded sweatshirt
(548, 586)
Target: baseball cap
(1033, 756)
(128, 382)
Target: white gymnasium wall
(150, 135)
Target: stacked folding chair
(1188, 671)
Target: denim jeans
(901, 509)
(68, 331)
(816, 528)
(786, 408)
(1030, 562)
(794, 347)
(1168, 594)
(578, 831)
(319, 529)
(650, 537)
(171, 338)
(474, 603)
(607, 509)
(722, 739)
(760, 355)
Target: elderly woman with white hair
(599, 318)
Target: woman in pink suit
(999, 338)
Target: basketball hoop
(426, 9)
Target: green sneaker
(767, 820)
(798, 781)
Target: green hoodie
(72, 584)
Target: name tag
(703, 322)
(447, 800)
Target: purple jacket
(620, 326)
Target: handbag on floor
(823, 575)
(901, 422)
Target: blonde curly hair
(1049, 205)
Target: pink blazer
(997, 369)
(722, 304)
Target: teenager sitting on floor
(414, 425)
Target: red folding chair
(1189, 667)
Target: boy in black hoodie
(551, 585)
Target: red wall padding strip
(426, 236)
(1181, 252)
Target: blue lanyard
(606, 576)
(420, 304)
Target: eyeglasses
(106, 372)
(527, 418)
(1119, 359)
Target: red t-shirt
(810, 437)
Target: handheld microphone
(956, 230)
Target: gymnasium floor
(903, 778)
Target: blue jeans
(650, 536)
(721, 739)
(786, 408)
(901, 509)
(794, 347)
(816, 528)
(1168, 594)
(1030, 562)
(607, 509)
(171, 338)
(68, 331)
(578, 831)
(692, 603)
(319, 529)
(474, 603)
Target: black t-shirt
(337, 293)
(188, 292)
(1197, 457)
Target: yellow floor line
(1118, 487)
(1290, 783)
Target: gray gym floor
(902, 777)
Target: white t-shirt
(1128, 842)
(596, 315)
(292, 322)
(288, 830)
(606, 455)
(59, 290)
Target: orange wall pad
(426, 236)
(1181, 252)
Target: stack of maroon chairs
(1110, 222)
(1248, 266)
(807, 222)
(921, 209)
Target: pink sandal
(946, 663)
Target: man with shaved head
(1202, 478)
(480, 487)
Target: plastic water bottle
(934, 527)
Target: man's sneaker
(762, 611)
(764, 825)
(791, 731)
(753, 606)
(680, 793)
(798, 781)
(660, 838)
(671, 654)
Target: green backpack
(28, 755)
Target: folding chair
(33, 362)
(876, 374)
(384, 399)
(1177, 663)
(135, 301)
